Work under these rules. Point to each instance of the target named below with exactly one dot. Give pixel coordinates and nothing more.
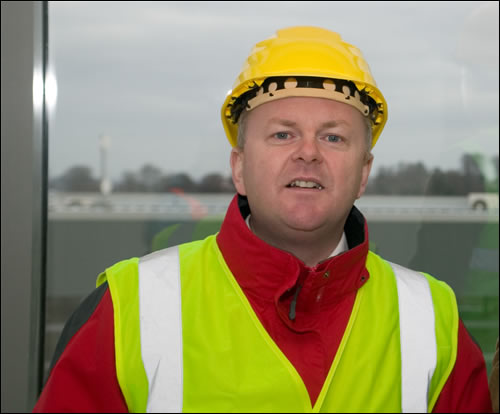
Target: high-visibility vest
(187, 339)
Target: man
(493, 382)
(285, 309)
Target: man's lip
(307, 179)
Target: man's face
(303, 165)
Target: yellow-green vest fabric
(231, 364)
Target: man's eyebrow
(282, 121)
(334, 123)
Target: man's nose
(308, 150)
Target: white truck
(482, 201)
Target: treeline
(149, 179)
(477, 174)
(403, 179)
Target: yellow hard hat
(304, 61)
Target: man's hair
(242, 131)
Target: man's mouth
(305, 184)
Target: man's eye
(333, 138)
(282, 135)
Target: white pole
(105, 144)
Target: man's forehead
(292, 110)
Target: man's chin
(305, 224)
(313, 220)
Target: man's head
(304, 163)
(302, 119)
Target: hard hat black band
(274, 88)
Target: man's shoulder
(132, 265)
(387, 267)
(183, 248)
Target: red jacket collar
(266, 273)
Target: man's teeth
(305, 184)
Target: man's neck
(306, 246)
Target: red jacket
(83, 376)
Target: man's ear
(236, 160)
(365, 173)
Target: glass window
(139, 159)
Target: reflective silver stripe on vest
(417, 337)
(161, 332)
(161, 329)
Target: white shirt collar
(341, 247)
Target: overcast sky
(153, 76)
